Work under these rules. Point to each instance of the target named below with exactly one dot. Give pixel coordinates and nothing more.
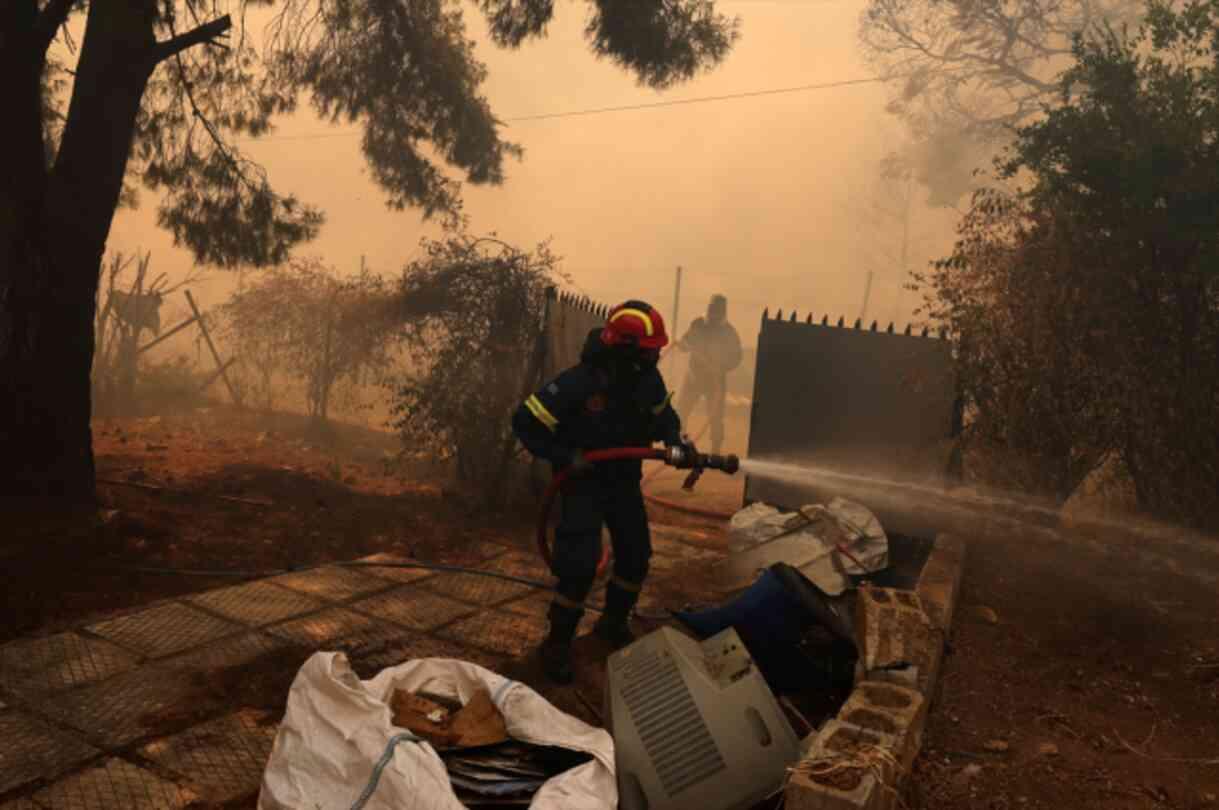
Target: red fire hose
(711, 514)
(594, 456)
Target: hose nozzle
(686, 458)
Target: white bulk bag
(338, 750)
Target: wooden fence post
(220, 364)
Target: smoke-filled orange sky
(762, 198)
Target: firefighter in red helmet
(615, 397)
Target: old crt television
(695, 726)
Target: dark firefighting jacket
(584, 409)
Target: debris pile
(485, 766)
(828, 544)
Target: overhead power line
(774, 91)
(698, 99)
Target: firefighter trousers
(585, 507)
(693, 390)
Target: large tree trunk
(53, 230)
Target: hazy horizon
(758, 198)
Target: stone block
(857, 760)
(891, 709)
(847, 768)
(897, 641)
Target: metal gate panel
(854, 399)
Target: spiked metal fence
(860, 399)
(569, 319)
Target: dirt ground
(1081, 674)
(216, 489)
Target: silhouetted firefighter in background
(715, 350)
(615, 397)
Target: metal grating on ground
(220, 760)
(414, 608)
(522, 564)
(475, 589)
(369, 645)
(425, 647)
(20, 804)
(256, 603)
(651, 602)
(30, 749)
(115, 783)
(685, 537)
(336, 628)
(332, 583)
(230, 652)
(399, 575)
(662, 565)
(473, 553)
(53, 663)
(506, 633)
(319, 629)
(129, 706)
(164, 630)
(674, 549)
(536, 605)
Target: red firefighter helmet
(635, 323)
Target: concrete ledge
(939, 584)
(859, 759)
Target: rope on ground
(880, 762)
(1154, 758)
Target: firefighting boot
(614, 625)
(555, 651)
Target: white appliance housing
(695, 726)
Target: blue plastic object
(771, 617)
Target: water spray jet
(1009, 509)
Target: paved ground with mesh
(163, 707)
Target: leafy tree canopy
(967, 72)
(1091, 300)
(405, 70)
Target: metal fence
(569, 319)
(866, 401)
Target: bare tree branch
(205, 33)
(53, 15)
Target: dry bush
(329, 334)
(472, 311)
(1026, 359)
(1086, 306)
